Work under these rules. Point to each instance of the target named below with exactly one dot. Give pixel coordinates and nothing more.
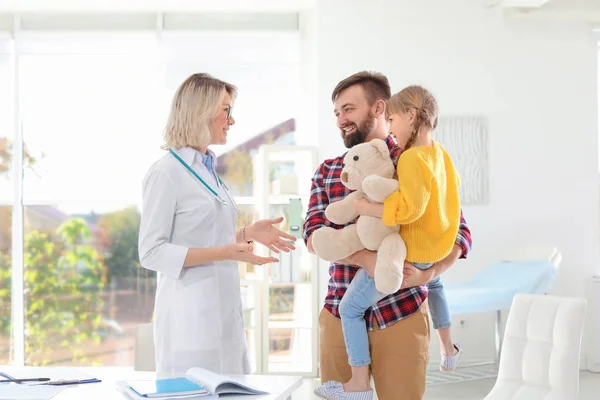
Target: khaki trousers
(399, 355)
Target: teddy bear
(369, 171)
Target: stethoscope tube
(210, 189)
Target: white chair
(541, 350)
(143, 348)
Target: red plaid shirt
(328, 188)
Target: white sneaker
(449, 363)
(333, 390)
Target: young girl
(427, 207)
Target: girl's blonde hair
(196, 102)
(422, 101)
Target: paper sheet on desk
(15, 391)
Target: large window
(90, 116)
(6, 197)
(91, 113)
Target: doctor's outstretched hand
(266, 234)
(245, 253)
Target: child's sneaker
(449, 363)
(333, 390)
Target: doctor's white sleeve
(159, 203)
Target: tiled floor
(589, 389)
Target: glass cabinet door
(289, 288)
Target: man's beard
(363, 130)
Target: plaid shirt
(328, 188)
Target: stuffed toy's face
(362, 160)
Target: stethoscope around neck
(219, 198)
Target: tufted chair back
(542, 345)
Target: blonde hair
(420, 99)
(196, 102)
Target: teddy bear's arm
(341, 212)
(378, 188)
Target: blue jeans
(362, 294)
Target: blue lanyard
(210, 189)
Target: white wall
(534, 80)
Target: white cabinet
(287, 328)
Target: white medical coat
(198, 311)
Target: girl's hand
(360, 206)
(358, 203)
(365, 207)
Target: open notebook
(197, 383)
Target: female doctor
(188, 235)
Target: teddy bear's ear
(381, 146)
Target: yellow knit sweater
(427, 204)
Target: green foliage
(64, 277)
(4, 293)
(119, 232)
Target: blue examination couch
(492, 289)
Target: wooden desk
(280, 387)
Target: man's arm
(364, 259)
(315, 214)
(309, 245)
(463, 239)
(441, 266)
